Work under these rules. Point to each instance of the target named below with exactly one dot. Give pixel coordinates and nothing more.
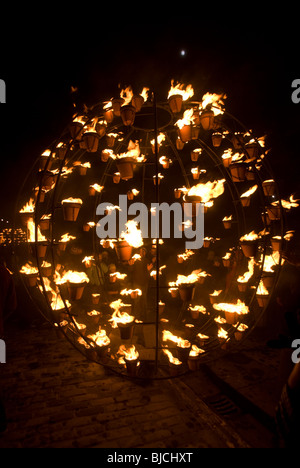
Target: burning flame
(29, 269)
(207, 191)
(215, 101)
(130, 354)
(179, 89)
(248, 274)
(190, 279)
(185, 255)
(133, 151)
(167, 335)
(72, 200)
(133, 235)
(119, 316)
(97, 187)
(31, 233)
(29, 207)
(187, 118)
(172, 359)
(251, 236)
(240, 307)
(195, 351)
(71, 276)
(249, 192)
(100, 338)
(262, 290)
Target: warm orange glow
(239, 307)
(179, 89)
(133, 235)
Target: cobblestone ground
(55, 398)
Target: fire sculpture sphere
(150, 307)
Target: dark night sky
(250, 56)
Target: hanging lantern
(128, 114)
(185, 133)
(186, 292)
(216, 139)
(238, 171)
(116, 105)
(175, 103)
(274, 212)
(123, 250)
(71, 208)
(269, 187)
(207, 119)
(137, 101)
(91, 141)
(125, 167)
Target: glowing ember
(198, 308)
(100, 338)
(133, 151)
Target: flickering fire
(292, 203)
(133, 151)
(195, 351)
(130, 354)
(215, 100)
(249, 192)
(198, 308)
(216, 293)
(187, 119)
(227, 218)
(118, 275)
(100, 338)
(128, 292)
(133, 235)
(88, 261)
(261, 289)
(66, 237)
(76, 277)
(31, 233)
(72, 200)
(191, 278)
(160, 138)
(29, 207)
(222, 334)
(119, 316)
(127, 95)
(207, 191)
(179, 89)
(28, 269)
(248, 274)
(97, 187)
(185, 255)
(58, 304)
(172, 359)
(251, 236)
(239, 307)
(167, 335)
(270, 261)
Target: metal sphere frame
(152, 111)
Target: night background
(250, 56)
